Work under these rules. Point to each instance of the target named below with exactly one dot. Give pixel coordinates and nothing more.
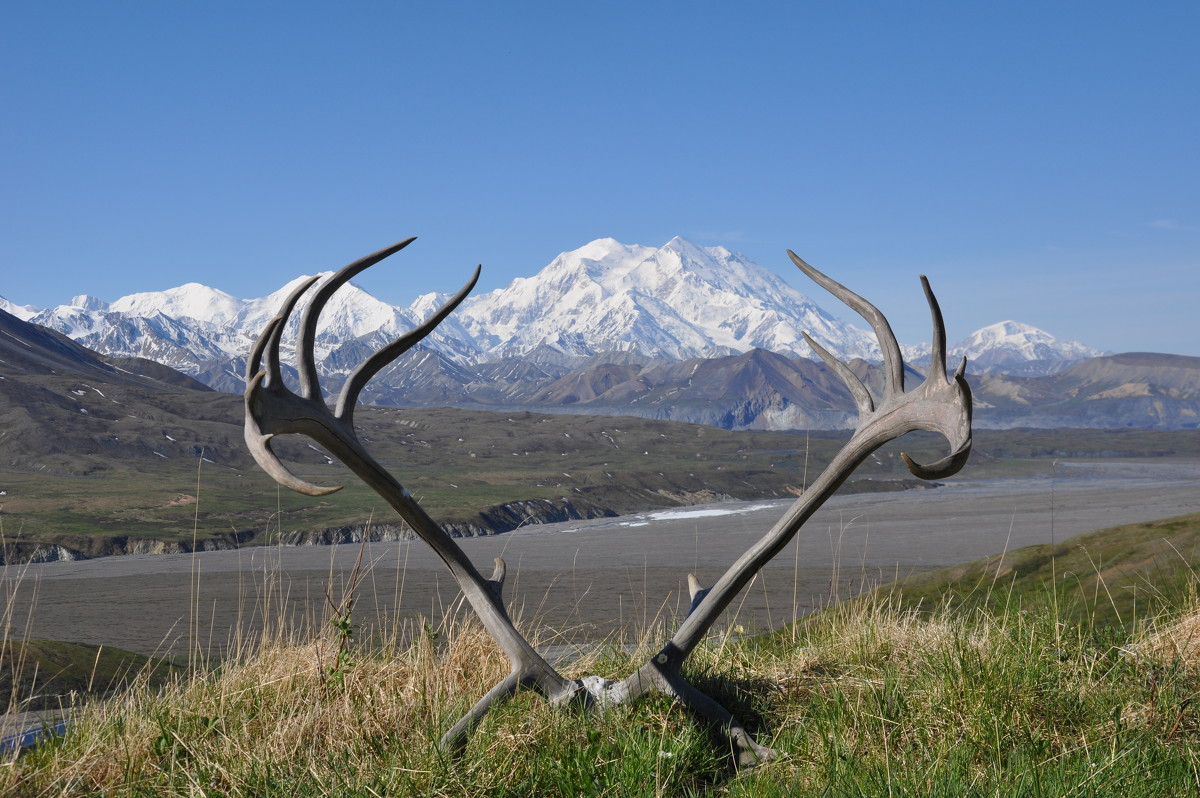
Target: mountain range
(677, 332)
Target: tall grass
(867, 698)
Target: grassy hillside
(1114, 576)
(964, 696)
(45, 674)
(866, 700)
(113, 490)
(194, 478)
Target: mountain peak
(1022, 337)
(191, 300)
(1002, 329)
(604, 259)
(679, 243)
(1009, 345)
(87, 302)
(22, 312)
(694, 251)
(676, 301)
(600, 246)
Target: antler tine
(946, 467)
(372, 365)
(268, 340)
(937, 355)
(306, 342)
(938, 350)
(267, 345)
(862, 397)
(952, 463)
(893, 364)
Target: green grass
(43, 674)
(1009, 694)
(900, 703)
(1110, 577)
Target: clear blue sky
(1039, 161)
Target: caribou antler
(272, 409)
(939, 404)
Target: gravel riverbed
(586, 580)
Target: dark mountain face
(66, 409)
(768, 391)
(28, 349)
(1140, 390)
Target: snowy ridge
(675, 302)
(190, 301)
(22, 312)
(1022, 340)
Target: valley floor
(590, 579)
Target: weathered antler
(939, 404)
(272, 409)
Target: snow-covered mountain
(676, 302)
(1015, 348)
(190, 301)
(22, 312)
(183, 343)
(205, 332)
(671, 303)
